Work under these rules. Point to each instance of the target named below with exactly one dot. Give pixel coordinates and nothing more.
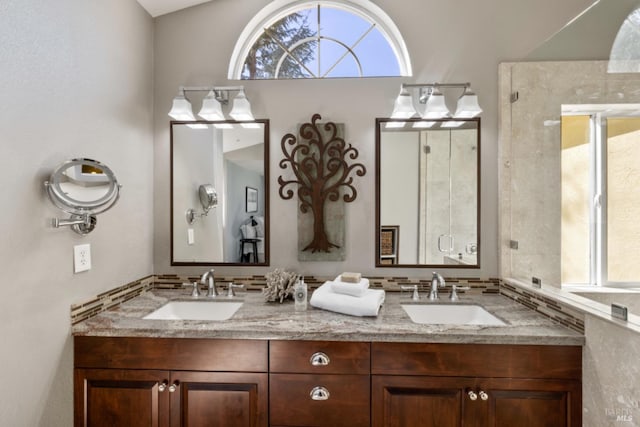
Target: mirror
(82, 188)
(428, 193)
(215, 220)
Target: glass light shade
(211, 108)
(468, 106)
(403, 107)
(241, 107)
(181, 109)
(436, 106)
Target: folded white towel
(347, 288)
(366, 305)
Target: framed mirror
(428, 193)
(212, 165)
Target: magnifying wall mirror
(213, 222)
(82, 188)
(208, 200)
(428, 193)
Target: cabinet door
(408, 401)
(120, 398)
(533, 403)
(219, 399)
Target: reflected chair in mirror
(252, 239)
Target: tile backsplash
(557, 312)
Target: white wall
(450, 41)
(76, 80)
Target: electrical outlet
(81, 258)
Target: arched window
(319, 39)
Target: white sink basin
(195, 310)
(450, 314)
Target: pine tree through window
(321, 40)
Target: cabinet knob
(483, 395)
(319, 359)
(173, 387)
(319, 393)
(163, 386)
(472, 395)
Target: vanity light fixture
(181, 108)
(431, 95)
(436, 107)
(211, 109)
(403, 107)
(468, 106)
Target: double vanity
(266, 364)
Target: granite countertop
(257, 319)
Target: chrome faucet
(415, 296)
(436, 281)
(208, 277)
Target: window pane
(623, 199)
(288, 32)
(290, 49)
(376, 56)
(332, 52)
(342, 25)
(575, 161)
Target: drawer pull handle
(472, 395)
(319, 393)
(173, 387)
(483, 395)
(162, 387)
(319, 359)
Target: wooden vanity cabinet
(319, 383)
(170, 382)
(475, 385)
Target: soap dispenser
(300, 295)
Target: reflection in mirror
(212, 164)
(427, 188)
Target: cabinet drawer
(477, 360)
(346, 403)
(319, 357)
(187, 354)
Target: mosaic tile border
(391, 284)
(110, 299)
(550, 308)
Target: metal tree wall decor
(321, 169)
